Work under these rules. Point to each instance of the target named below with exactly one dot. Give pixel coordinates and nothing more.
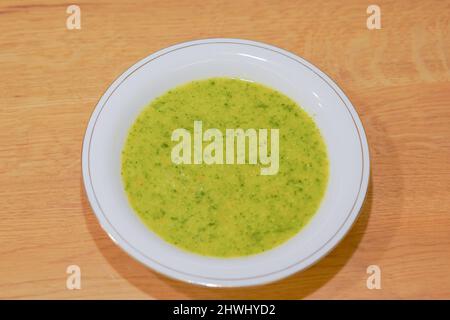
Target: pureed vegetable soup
(224, 167)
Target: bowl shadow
(296, 286)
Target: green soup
(224, 210)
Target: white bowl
(312, 89)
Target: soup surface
(224, 210)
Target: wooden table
(398, 78)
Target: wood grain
(398, 79)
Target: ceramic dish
(314, 91)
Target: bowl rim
(135, 253)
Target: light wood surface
(51, 78)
